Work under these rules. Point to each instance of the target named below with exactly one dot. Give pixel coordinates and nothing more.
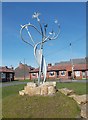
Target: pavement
(5, 84)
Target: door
(83, 75)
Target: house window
(63, 73)
(87, 73)
(77, 73)
(3, 75)
(51, 73)
(11, 75)
(33, 74)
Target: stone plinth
(47, 88)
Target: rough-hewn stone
(49, 83)
(81, 99)
(21, 93)
(66, 91)
(51, 90)
(84, 111)
(44, 90)
(47, 88)
(31, 84)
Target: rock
(81, 99)
(44, 90)
(21, 93)
(49, 83)
(31, 84)
(72, 96)
(51, 90)
(66, 91)
(84, 111)
(47, 88)
(37, 91)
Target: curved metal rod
(25, 26)
(30, 35)
(23, 38)
(53, 37)
(35, 48)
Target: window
(62, 73)
(11, 75)
(3, 75)
(0, 75)
(87, 73)
(33, 74)
(77, 73)
(51, 73)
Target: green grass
(16, 106)
(26, 80)
(79, 88)
(12, 90)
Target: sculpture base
(32, 89)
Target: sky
(72, 19)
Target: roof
(60, 67)
(75, 61)
(6, 69)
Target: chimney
(49, 65)
(20, 65)
(6, 67)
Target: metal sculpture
(38, 53)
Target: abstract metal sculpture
(38, 53)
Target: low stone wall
(82, 100)
(47, 88)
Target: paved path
(11, 83)
(4, 84)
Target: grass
(79, 88)
(11, 90)
(16, 106)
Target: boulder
(81, 99)
(31, 84)
(21, 93)
(44, 90)
(84, 111)
(47, 88)
(66, 91)
(51, 90)
(49, 83)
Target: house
(63, 70)
(6, 74)
(22, 71)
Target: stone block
(47, 88)
(66, 91)
(44, 90)
(49, 83)
(81, 99)
(84, 111)
(51, 90)
(37, 90)
(21, 93)
(31, 84)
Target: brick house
(6, 74)
(22, 71)
(62, 71)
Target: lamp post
(38, 53)
(24, 69)
(72, 63)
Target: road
(4, 84)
